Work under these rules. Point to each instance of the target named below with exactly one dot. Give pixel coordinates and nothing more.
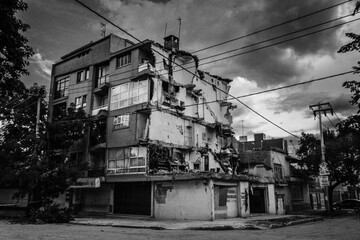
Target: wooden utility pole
(318, 109)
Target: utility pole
(318, 109)
(37, 134)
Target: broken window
(206, 163)
(197, 166)
(165, 86)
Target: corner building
(161, 144)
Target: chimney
(258, 137)
(171, 42)
(243, 138)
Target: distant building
(283, 188)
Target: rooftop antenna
(165, 29)
(179, 20)
(102, 29)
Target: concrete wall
(95, 199)
(97, 54)
(6, 197)
(244, 200)
(271, 199)
(183, 200)
(166, 128)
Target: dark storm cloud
(300, 101)
(277, 64)
(341, 105)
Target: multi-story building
(161, 142)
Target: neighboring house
(162, 144)
(281, 189)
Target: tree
(354, 86)
(14, 54)
(40, 165)
(342, 155)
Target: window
(103, 75)
(297, 192)
(126, 160)
(104, 101)
(59, 110)
(83, 75)
(123, 60)
(77, 158)
(87, 74)
(278, 171)
(129, 94)
(61, 88)
(121, 121)
(80, 102)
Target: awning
(87, 183)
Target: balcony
(144, 71)
(97, 110)
(102, 80)
(102, 89)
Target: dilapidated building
(283, 187)
(162, 142)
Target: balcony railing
(102, 80)
(96, 110)
(145, 66)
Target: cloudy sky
(60, 26)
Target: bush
(50, 213)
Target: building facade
(161, 143)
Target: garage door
(132, 198)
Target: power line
(232, 55)
(271, 27)
(284, 87)
(337, 116)
(246, 46)
(187, 70)
(277, 43)
(254, 44)
(277, 37)
(260, 48)
(330, 121)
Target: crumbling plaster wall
(280, 158)
(183, 200)
(210, 92)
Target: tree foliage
(14, 53)
(353, 86)
(40, 165)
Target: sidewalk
(255, 222)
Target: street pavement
(338, 228)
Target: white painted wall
(244, 199)
(166, 128)
(186, 200)
(271, 199)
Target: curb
(208, 228)
(296, 222)
(119, 226)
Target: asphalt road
(335, 228)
